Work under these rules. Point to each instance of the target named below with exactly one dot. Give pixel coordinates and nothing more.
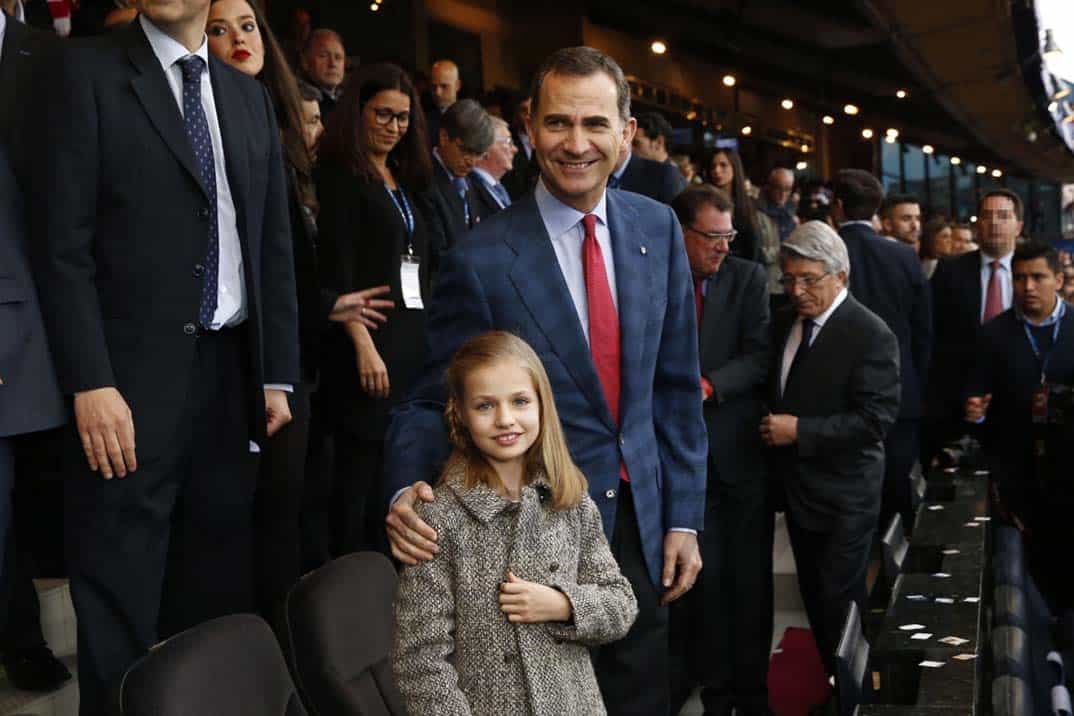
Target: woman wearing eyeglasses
(374, 162)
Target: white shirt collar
(820, 320)
(558, 218)
(618, 173)
(169, 50)
(3, 26)
(484, 176)
(1004, 261)
(1047, 321)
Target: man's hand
(707, 391)
(779, 430)
(682, 562)
(277, 410)
(411, 538)
(977, 407)
(106, 428)
(362, 306)
(372, 372)
(531, 603)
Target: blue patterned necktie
(464, 193)
(501, 195)
(197, 131)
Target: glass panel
(965, 198)
(939, 186)
(914, 171)
(890, 172)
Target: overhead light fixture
(997, 173)
(973, 219)
(658, 47)
(1051, 48)
(867, 133)
(901, 94)
(747, 130)
(891, 139)
(981, 169)
(892, 132)
(374, 7)
(801, 166)
(828, 119)
(956, 161)
(851, 109)
(729, 80)
(928, 149)
(787, 104)
(805, 149)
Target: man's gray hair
(817, 241)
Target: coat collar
(485, 504)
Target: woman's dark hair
(745, 216)
(282, 87)
(932, 229)
(344, 138)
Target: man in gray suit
(722, 629)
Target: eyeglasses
(806, 282)
(727, 236)
(384, 117)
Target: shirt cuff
(395, 497)
(687, 530)
(285, 387)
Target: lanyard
(403, 206)
(1045, 358)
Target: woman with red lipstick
(238, 35)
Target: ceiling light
(901, 94)
(658, 47)
(851, 109)
(973, 219)
(729, 80)
(956, 161)
(892, 132)
(787, 104)
(981, 169)
(927, 149)
(747, 130)
(867, 133)
(374, 7)
(805, 149)
(828, 119)
(891, 139)
(801, 166)
(997, 173)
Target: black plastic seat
(852, 662)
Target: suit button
(198, 271)
(508, 658)
(610, 494)
(190, 329)
(622, 440)
(553, 567)
(203, 212)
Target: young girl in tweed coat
(500, 621)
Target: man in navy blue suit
(599, 284)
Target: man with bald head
(444, 85)
(323, 63)
(775, 200)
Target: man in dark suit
(466, 133)
(444, 87)
(21, 50)
(524, 168)
(167, 285)
(834, 394)
(619, 342)
(967, 291)
(723, 627)
(486, 187)
(657, 180)
(886, 276)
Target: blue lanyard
(403, 206)
(1045, 358)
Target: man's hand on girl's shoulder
(412, 539)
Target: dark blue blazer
(30, 398)
(886, 276)
(504, 275)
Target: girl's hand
(531, 603)
(372, 373)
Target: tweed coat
(455, 653)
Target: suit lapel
(632, 269)
(151, 87)
(230, 113)
(8, 69)
(536, 276)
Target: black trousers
(169, 546)
(633, 673)
(277, 505)
(721, 630)
(901, 448)
(831, 573)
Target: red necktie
(994, 297)
(699, 299)
(603, 320)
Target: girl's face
(943, 243)
(386, 117)
(722, 172)
(234, 36)
(501, 411)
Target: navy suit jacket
(956, 302)
(657, 180)
(504, 275)
(30, 398)
(886, 276)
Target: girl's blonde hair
(548, 454)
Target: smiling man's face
(577, 136)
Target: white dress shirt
(1005, 287)
(564, 226)
(794, 338)
(231, 288)
(3, 30)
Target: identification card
(1039, 410)
(410, 280)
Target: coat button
(203, 212)
(610, 494)
(198, 271)
(190, 329)
(508, 658)
(553, 567)
(622, 440)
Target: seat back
(852, 661)
(338, 623)
(231, 666)
(895, 547)
(918, 487)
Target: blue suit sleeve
(417, 443)
(680, 429)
